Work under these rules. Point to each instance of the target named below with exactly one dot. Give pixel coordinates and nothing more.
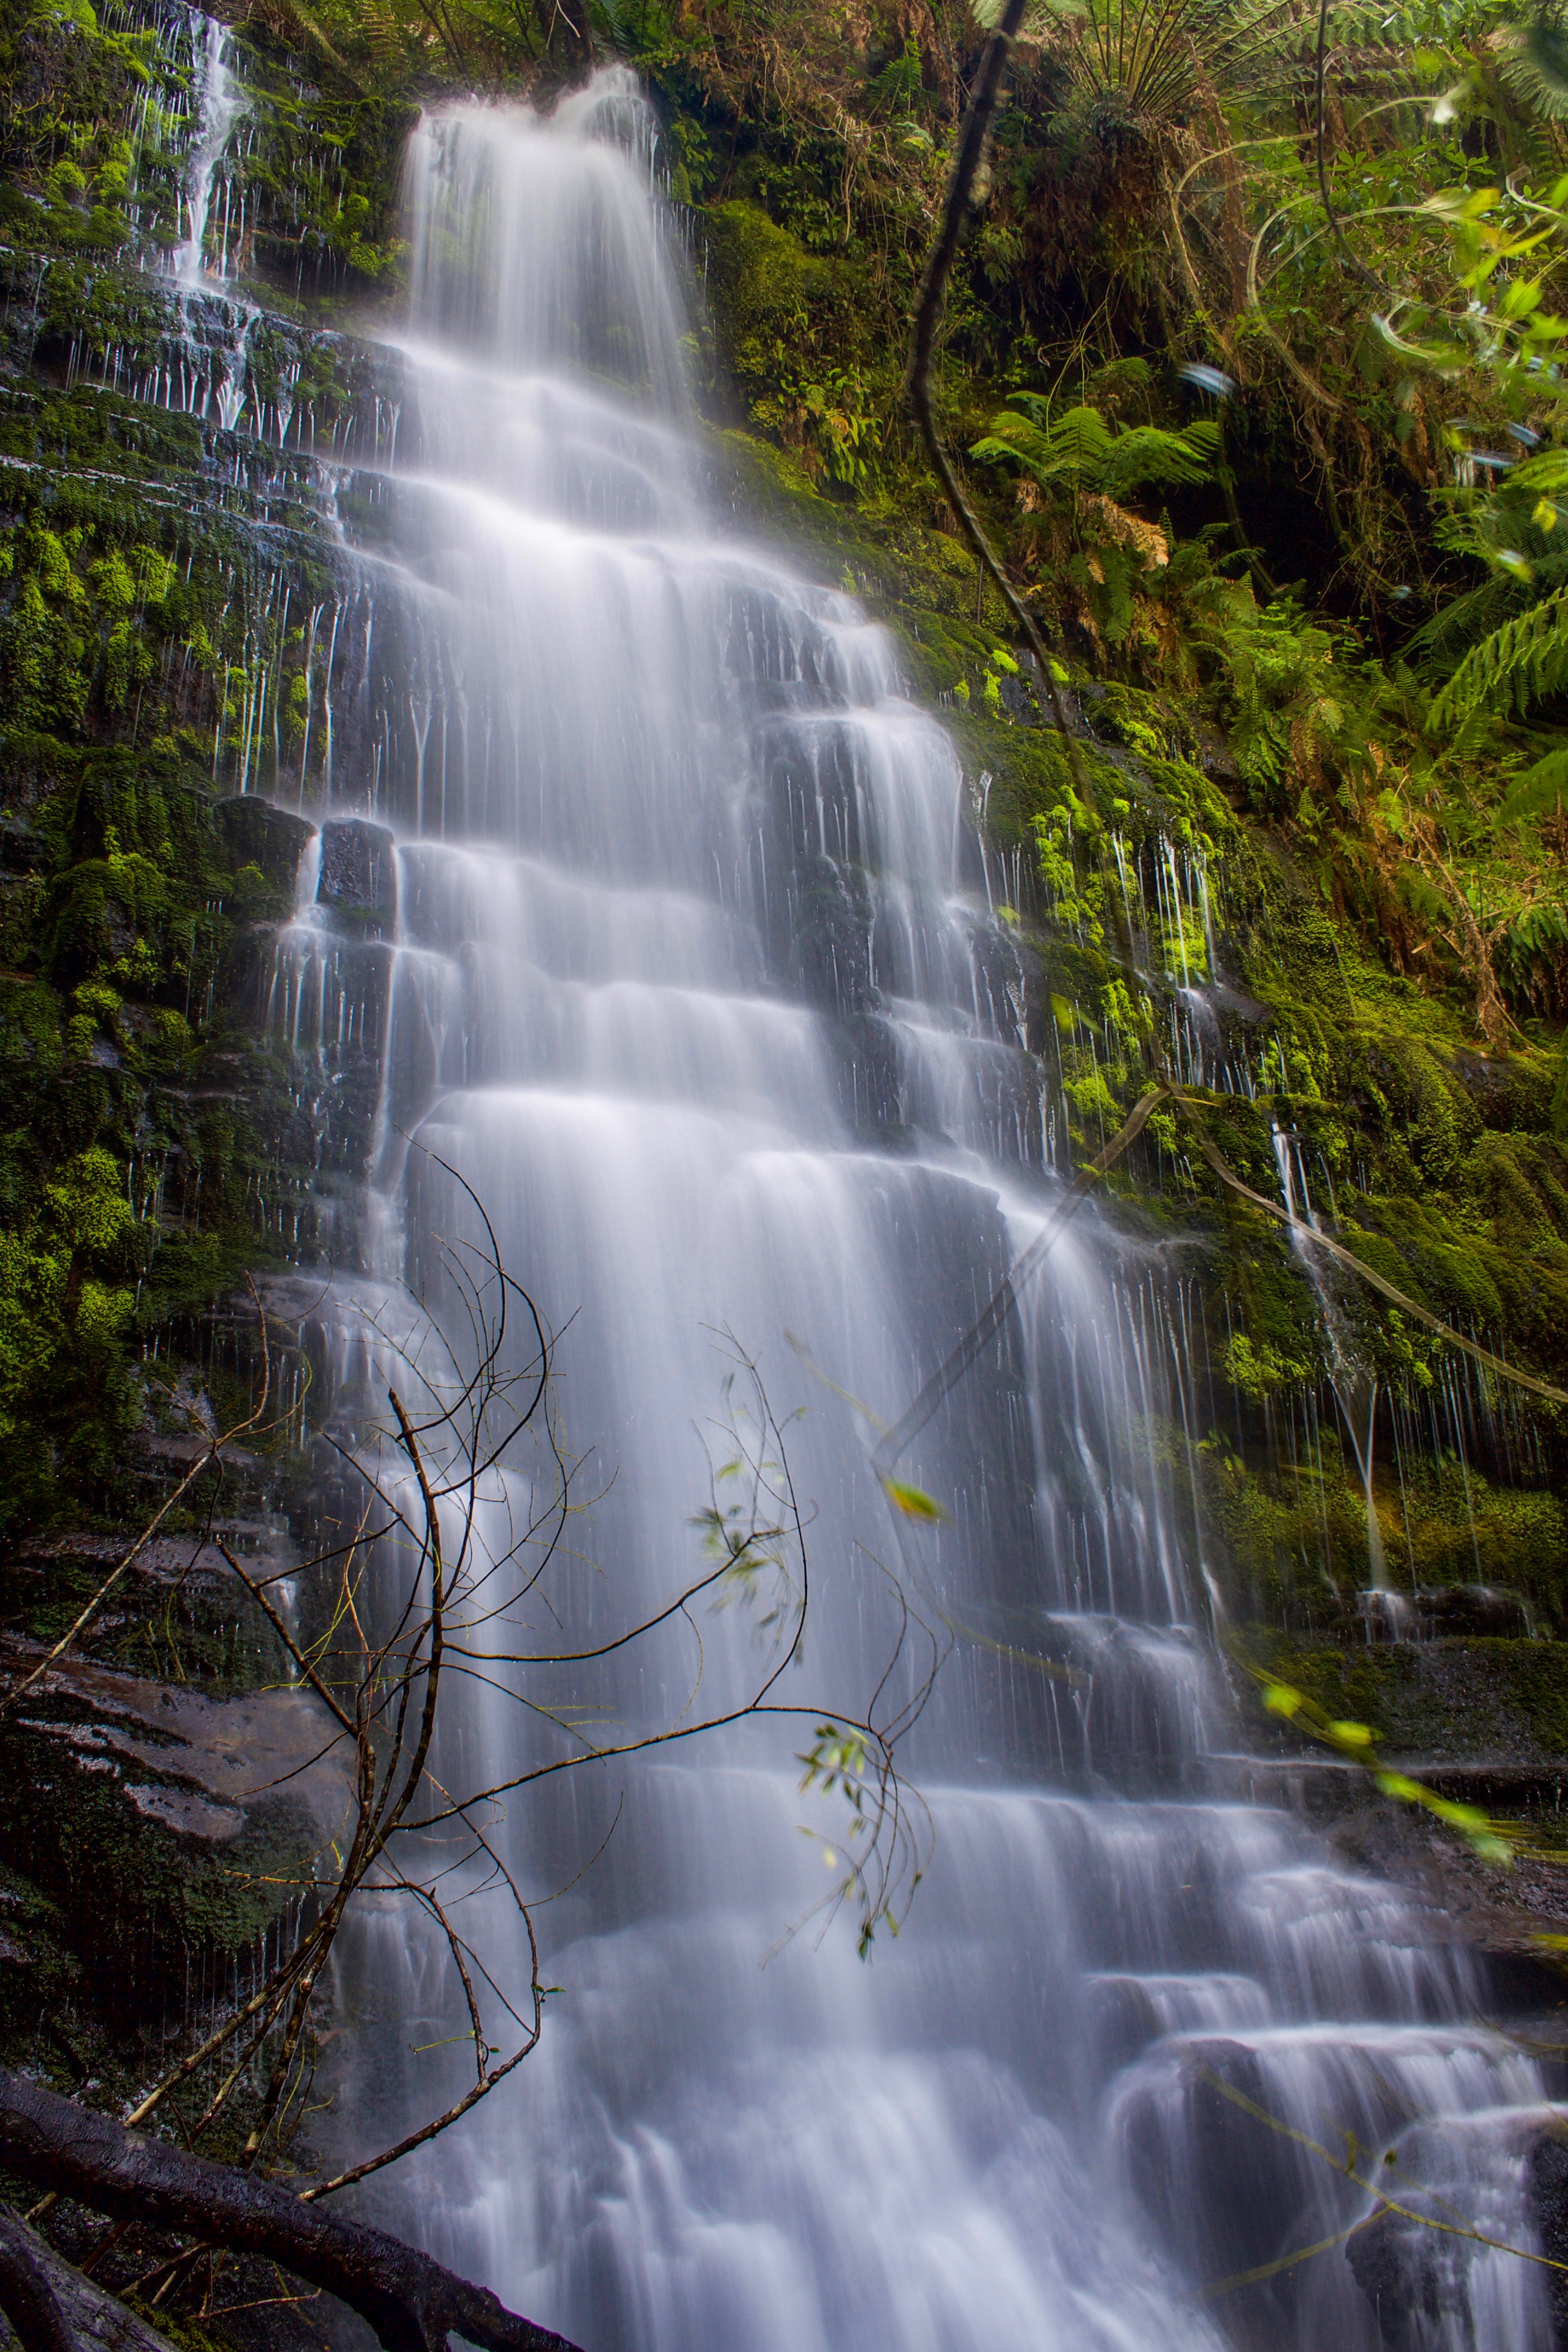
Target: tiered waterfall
(682, 957)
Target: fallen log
(411, 2302)
(53, 2308)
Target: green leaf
(912, 1501)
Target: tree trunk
(410, 2301)
(52, 2308)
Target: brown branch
(1355, 262)
(927, 315)
(412, 2303)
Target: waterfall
(672, 937)
(1354, 1387)
(216, 103)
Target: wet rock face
(146, 1823)
(1422, 2274)
(359, 874)
(1436, 1610)
(1549, 2211)
(1484, 1609)
(1414, 2278)
(257, 833)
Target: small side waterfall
(1354, 1387)
(216, 104)
(671, 935)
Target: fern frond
(999, 448)
(1464, 620)
(1534, 64)
(1147, 456)
(1422, 897)
(380, 31)
(1081, 442)
(1516, 666)
(1541, 786)
(1361, 24)
(1080, 447)
(1543, 476)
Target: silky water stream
(685, 964)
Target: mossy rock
(1450, 1699)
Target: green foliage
(1078, 450)
(1518, 665)
(912, 1502)
(1151, 61)
(1534, 63)
(1260, 1371)
(1465, 1696)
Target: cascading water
(685, 963)
(216, 103)
(1355, 1388)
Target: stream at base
(682, 958)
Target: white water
(1354, 1387)
(218, 102)
(684, 962)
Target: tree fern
(1152, 53)
(380, 30)
(1362, 25)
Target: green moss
(97, 1862)
(1447, 1698)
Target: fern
(1544, 476)
(1422, 897)
(380, 31)
(1540, 787)
(1518, 665)
(1534, 63)
(1081, 451)
(1355, 24)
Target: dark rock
(1234, 1004)
(1384, 1617)
(359, 871)
(1486, 1609)
(23, 849)
(1215, 754)
(1549, 2214)
(1436, 1612)
(256, 833)
(1415, 2278)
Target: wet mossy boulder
(358, 881)
(257, 833)
(1449, 1698)
(149, 1828)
